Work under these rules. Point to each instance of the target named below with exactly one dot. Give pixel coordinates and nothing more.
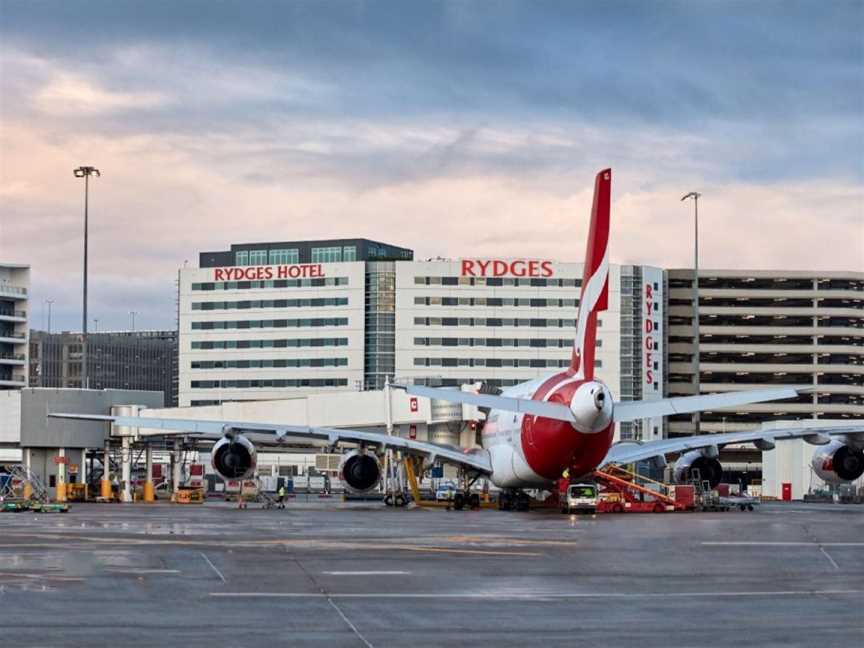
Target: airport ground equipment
(633, 497)
(189, 495)
(24, 491)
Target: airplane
(536, 430)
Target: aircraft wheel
(522, 502)
(388, 500)
(400, 500)
(459, 501)
(474, 501)
(504, 503)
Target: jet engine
(837, 462)
(709, 468)
(360, 472)
(234, 457)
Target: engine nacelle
(234, 457)
(836, 463)
(360, 472)
(710, 469)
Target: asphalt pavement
(325, 573)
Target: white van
(580, 497)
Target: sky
(452, 128)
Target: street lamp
(85, 172)
(695, 196)
(132, 314)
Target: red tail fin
(595, 280)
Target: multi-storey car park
(14, 286)
(767, 328)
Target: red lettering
(649, 292)
(517, 269)
(649, 325)
(218, 274)
(648, 358)
(468, 268)
(268, 272)
(547, 268)
(294, 271)
(483, 265)
(532, 268)
(649, 376)
(281, 272)
(499, 268)
(649, 343)
(318, 270)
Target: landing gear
(471, 500)
(514, 499)
(401, 500)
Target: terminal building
(14, 287)
(275, 320)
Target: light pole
(95, 324)
(85, 172)
(132, 314)
(696, 376)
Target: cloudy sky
(454, 128)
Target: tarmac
(327, 573)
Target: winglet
(595, 279)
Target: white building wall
(412, 355)
(351, 335)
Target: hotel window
(349, 253)
(284, 257)
(242, 258)
(326, 255)
(257, 257)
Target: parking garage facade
(761, 329)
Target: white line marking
(743, 543)
(350, 625)
(213, 567)
(367, 573)
(830, 559)
(144, 571)
(534, 596)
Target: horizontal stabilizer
(524, 405)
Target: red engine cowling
(837, 462)
(710, 469)
(234, 457)
(360, 472)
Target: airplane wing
(622, 412)
(285, 435)
(628, 452)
